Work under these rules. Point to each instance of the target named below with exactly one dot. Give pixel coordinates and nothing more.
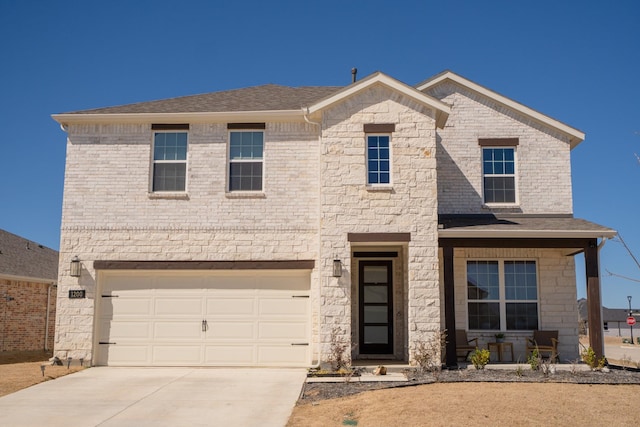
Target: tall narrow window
(246, 160)
(169, 161)
(378, 160)
(498, 168)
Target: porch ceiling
(520, 226)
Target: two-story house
(253, 227)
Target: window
(502, 295)
(378, 160)
(498, 169)
(169, 161)
(245, 160)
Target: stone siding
(543, 166)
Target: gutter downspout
(305, 113)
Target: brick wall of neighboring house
(543, 171)
(109, 214)
(23, 319)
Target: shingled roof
(268, 97)
(23, 258)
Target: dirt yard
(20, 370)
(454, 404)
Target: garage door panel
(181, 282)
(126, 355)
(226, 282)
(231, 330)
(182, 306)
(283, 331)
(124, 330)
(230, 355)
(283, 306)
(226, 306)
(174, 355)
(126, 306)
(177, 330)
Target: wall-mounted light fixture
(75, 267)
(337, 268)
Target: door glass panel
(375, 314)
(376, 335)
(375, 274)
(375, 294)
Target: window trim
(502, 301)
(516, 201)
(378, 186)
(158, 129)
(245, 128)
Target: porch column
(594, 302)
(449, 307)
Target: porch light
(75, 267)
(337, 268)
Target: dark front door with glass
(376, 307)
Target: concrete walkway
(110, 397)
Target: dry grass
(20, 370)
(455, 404)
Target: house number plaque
(77, 293)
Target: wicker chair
(544, 342)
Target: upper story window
(378, 160)
(246, 156)
(499, 170)
(169, 161)
(502, 295)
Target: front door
(376, 307)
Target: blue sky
(576, 61)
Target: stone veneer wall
(108, 213)
(23, 320)
(557, 297)
(543, 167)
(409, 206)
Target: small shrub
(534, 360)
(519, 371)
(589, 357)
(480, 358)
(338, 356)
(426, 355)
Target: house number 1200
(76, 293)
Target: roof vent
(354, 73)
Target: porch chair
(545, 342)
(464, 344)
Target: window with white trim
(378, 160)
(246, 160)
(502, 295)
(169, 161)
(499, 174)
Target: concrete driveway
(157, 397)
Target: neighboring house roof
(520, 226)
(608, 314)
(575, 136)
(26, 260)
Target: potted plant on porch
(499, 337)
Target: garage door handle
(106, 342)
(299, 296)
(299, 343)
(205, 326)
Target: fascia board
(28, 279)
(442, 109)
(560, 234)
(229, 116)
(575, 136)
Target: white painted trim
(28, 279)
(575, 136)
(441, 109)
(168, 118)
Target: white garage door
(260, 318)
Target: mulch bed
(313, 392)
